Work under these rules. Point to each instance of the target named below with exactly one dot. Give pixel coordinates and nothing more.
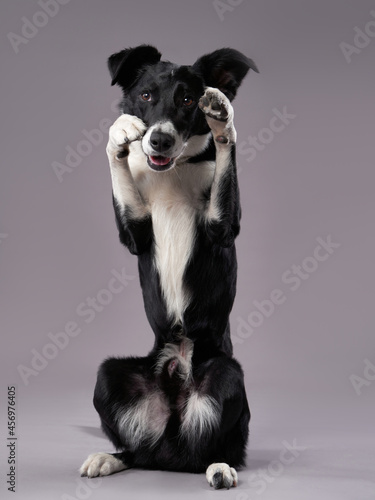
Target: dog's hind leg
(134, 412)
(215, 420)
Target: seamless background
(309, 361)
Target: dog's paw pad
(219, 115)
(220, 475)
(101, 464)
(216, 105)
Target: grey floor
(332, 457)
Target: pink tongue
(160, 160)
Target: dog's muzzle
(162, 144)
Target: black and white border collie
(176, 199)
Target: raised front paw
(126, 129)
(219, 114)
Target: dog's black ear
(125, 65)
(224, 69)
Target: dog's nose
(161, 142)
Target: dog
(171, 153)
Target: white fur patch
(174, 230)
(101, 464)
(166, 127)
(201, 415)
(145, 421)
(174, 198)
(225, 476)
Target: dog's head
(165, 96)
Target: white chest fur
(175, 200)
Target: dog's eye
(146, 96)
(188, 101)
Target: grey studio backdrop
(303, 320)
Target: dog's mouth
(160, 163)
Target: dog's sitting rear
(176, 199)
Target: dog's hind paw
(220, 475)
(219, 115)
(101, 464)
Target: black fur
(122, 381)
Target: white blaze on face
(166, 127)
